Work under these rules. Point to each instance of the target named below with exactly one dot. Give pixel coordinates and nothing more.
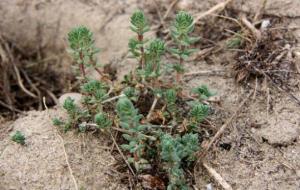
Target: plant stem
(179, 74)
(81, 66)
(141, 38)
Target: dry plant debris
(26, 77)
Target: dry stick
(124, 158)
(10, 107)
(161, 19)
(208, 72)
(67, 161)
(21, 83)
(249, 25)
(152, 108)
(226, 125)
(215, 8)
(169, 9)
(260, 11)
(113, 98)
(217, 177)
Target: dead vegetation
(28, 79)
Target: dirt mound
(49, 161)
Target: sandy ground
(259, 151)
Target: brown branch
(251, 27)
(218, 178)
(169, 9)
(121, 153)
(215, 8)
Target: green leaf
(102, 120)
(199, 112)
(203, 92)
(18, 137)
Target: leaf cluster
(180, 32)
(18, 137)
(82, 46)
(203, 92)
(130, 121)
(175, 150)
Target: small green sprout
(171, 97)
(203, 92)
(198, 112)
(174, 151)
(180, 31)
(18, 137)
(57, 122)
(82, 49)
(130, 120)
(153, 55)
(139, 25)
(103, 121)
(95, 91)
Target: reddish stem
(81, 66)
(141, 38)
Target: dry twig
(152, 108)
(251, 27)
(121, 153)
(67, 161)
(215, 8)
(169, 9)
(217, 177)
(225, 126)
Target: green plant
(102, 121)
(174, 150)
(130, 121)
(139, 25)
(202, 92)
(18, 137)
(180, 31)
(171, 97)
(150, 132)
(95, 91)
(82, 49)
(153, 55)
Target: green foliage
(131, 93)
(80, 38)
(95, 91)
(198, 112)
(155, 141)
(139, 23)
(130, 120)
(18, 137)
(82, 47)
(153, 55)
(74, 112)
(57, 122)
(103, 121)
(235, 42)
(203, 92)
(70, 107)
(180, 32)
(171, 97)
(174, 151)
